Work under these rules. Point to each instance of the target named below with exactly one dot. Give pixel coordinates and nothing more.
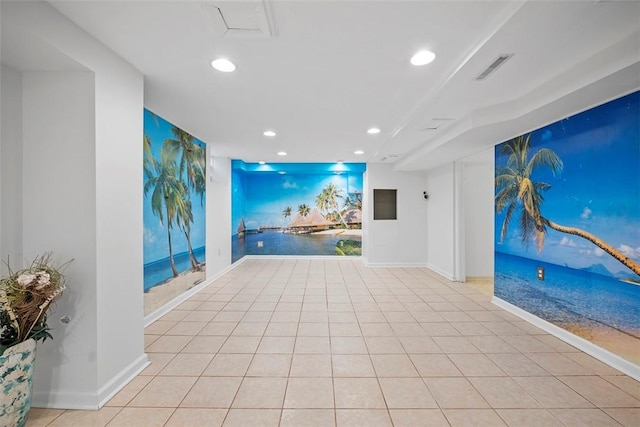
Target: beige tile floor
(324, 342)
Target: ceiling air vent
(494, 66)
(390, 157)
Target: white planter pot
(16, 375)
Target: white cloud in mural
(289, 184)
(629, 251)
(586, 213)
(568, 242)
(149, 236)
(599, 252)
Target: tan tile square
(418, 418)
(285, 316)
(240, 345)
(257, 317)
(345, 330)
(362, 418)
(252, 418)
(188, 417)
(419, 345)
(228, 365)
(491, 344)
(584, 417)
(406, 393)
(551, 393)
(455, 393)
(159, 327)
(150, 339)
(229, 316)
(592, 364)
(393, 365)
(455, 345)
(169, 344)
(261, 393)
(270, 365)
(434, 365)
(529, 418)
(175, 315)
(307, 418)
(204, 344)
(212, 392)
(377, 330)
(408, 329)
(128, 392)
(157, 363)
(427, 317)
(625, 416)
(517, 365)
(316, 329)
(218, 328)
(384, 345)
(311, 365)
(200, 316)
(439, 329)
(476, 365)
(348, 345)
(352, 365)
(276, 345)
(625, 383)
(211, 306)
(164, 392)
(529, 344)
(503, 392)
(289, 306)
(98, 418)
(399, 317)
(342, 316)
(314, 317)
(558, 364)
(40, 417)
(312, 345)
(187, 365)
(473, 418)
(135, 417)
(281, 329)
(358, 393)
(600, 392)
(186, 328)
(368, 316)
(310, 393)
(250, 329)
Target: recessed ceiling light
(223, 64)
(261, 162)
(340, 162)
(269, 133)
(373, 131)
(281, 172)
(358, 152)
(423, 57)
(282, 153)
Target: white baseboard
(90, 400)
(446, 274)
(611, 359)
(394, 264)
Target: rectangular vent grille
(494, 66)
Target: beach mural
(567, 244)
(174, 208)
(296, 209)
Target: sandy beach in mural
(617, 342)
(159, 295)
(341, 232)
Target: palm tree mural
(184, 219)
(304, 209)
(167, 196)
(516, 191)
(286, 212)
(331, 193)
(322, 203)
(192, 171)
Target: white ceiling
(320, 73)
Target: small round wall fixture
(282, 153)
(262, 162)
(358, 152)
(423, 57)
(373, 131)
(223, 65)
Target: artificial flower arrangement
(25, 296)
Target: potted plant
(25, 296)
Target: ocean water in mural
(307, 209)
(173, 207)
(568, 200)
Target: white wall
(11, 169)
(218, 214)
(400, 242)
(83, 157)
(440, 185)
(478, 210)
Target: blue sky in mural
(155, 234)
(265, 208)
(598, 189)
